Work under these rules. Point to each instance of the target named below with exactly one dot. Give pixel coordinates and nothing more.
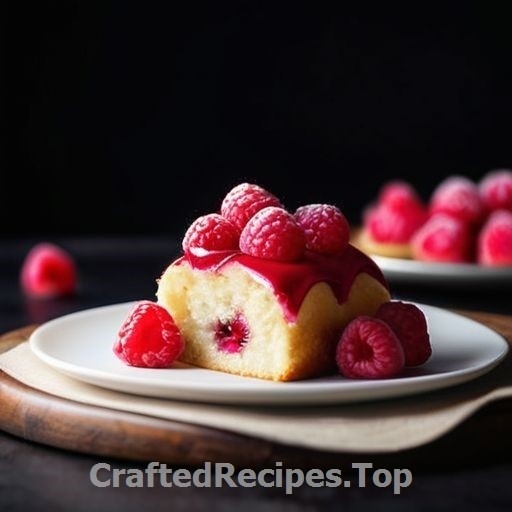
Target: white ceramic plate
(80, 345)
(397, 269)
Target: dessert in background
(443, 238)
(390, 222)
(451, 226)
(496, 190)
(494, 242)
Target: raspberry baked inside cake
(262, 292)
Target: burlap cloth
(377, 427)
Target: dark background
(134, 118)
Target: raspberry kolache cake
(262, 292)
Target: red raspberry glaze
(291, 281)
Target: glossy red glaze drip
(292, 281)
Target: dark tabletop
(115, 269)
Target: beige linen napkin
(385, 426)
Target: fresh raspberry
(369, 349)
(212, 232)
(496, 190)
(396, 192)
(243, 201)
(326, 229)
(394, 222)
(444, 238)
(494, 242)
(410, 326)
(458, 196)
(396, 215)
(148, 337)
(48, 271)
(274, 234)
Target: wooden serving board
(42, 418)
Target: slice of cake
(263, 292)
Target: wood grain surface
(42, 418)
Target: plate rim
(277, 393)
(454, 271)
